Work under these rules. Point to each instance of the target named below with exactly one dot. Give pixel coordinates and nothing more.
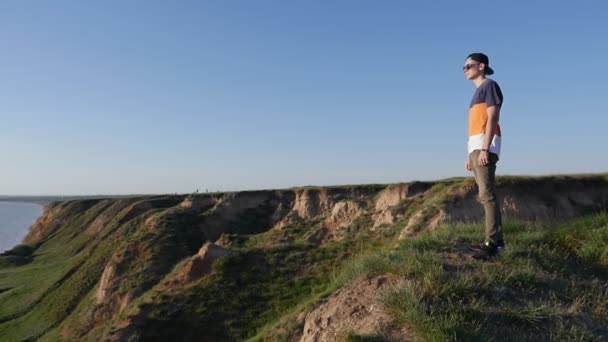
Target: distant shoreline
(46, 200)
(34, 200)
(18, 217)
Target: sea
(16, 218)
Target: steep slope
(551, 284)
(137, 268)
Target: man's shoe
(488, 251)
(500, 245)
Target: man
(484, 148)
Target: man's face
(472, 69)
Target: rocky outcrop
(533, 199)
(199, 265)
(393, 201)
(108, 299)
(45, 225)
(102, 220)
(353, 310)
(334, 209)
(135, 210)
(59, 214)
(391, 196)
(234, 204)
(530, 199)
(310, 204)
(343, 214)
(108, 281)
(199, 202)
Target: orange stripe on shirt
(478, 119)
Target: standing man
(484, 148)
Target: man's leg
(485, 179)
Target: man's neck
(479, 80)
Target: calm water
(15, 221)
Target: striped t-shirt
(488, 94)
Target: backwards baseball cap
(481, 58)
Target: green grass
(267, 284)
(433, 201)
(55, 291)
(551, 283)
(546, 286)
(66, 264)
(353, 337)
(32, 306)
(245, 292)
(147, 255)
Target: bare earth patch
(354, 310)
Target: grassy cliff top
(550, 284)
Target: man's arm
(493, 116)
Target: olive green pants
(485, 179)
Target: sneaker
(488, 251)
(500, 245)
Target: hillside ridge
(115, 264)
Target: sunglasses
(468, 66)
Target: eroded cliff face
(54, 217)
(44, 226)
(528, 199)
(168, 242)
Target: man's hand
(484, 158)
(467, 165)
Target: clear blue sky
(172, 96)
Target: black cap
(481, 58)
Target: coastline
(18, 221)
